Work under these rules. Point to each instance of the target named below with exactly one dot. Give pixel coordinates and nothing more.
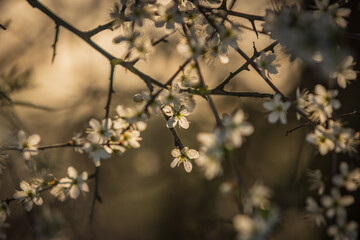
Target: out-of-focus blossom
(28, 145)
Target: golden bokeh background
(143, 198)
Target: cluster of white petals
(72, 185)
(28, 195)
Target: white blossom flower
(168, 16)
(130, 138)
(267, 64)
(99, 132)
(96, 152)
(257, 226)
(335, 204)
(28, 145)
(176, 114)
(77, 141)
(193, 48)
(133, 116)
(345, 72)
(315, 212)
(140, 11)
(118, 14)
(343, 230)
(235, 128)
(173, 96)
(348, 179)
(259, 195)
(211, 154)
(321, 140)
(342, 137)
(323, 103)
(316, 180)
(74, 183)
(184, 157)
(28, 196)
(59, 191)
(245, 226)
(337, 13)
(278, 108)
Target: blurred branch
(351, 114)
(55, 42)
(208, 97)
(163, 39)
(96, 194)
(2, 27)
(27, 104)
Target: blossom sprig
(335, 137)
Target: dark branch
(111, 91)
(96, 194)
(245, 66)
(100, 28)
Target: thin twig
(26, 104)
(163, 39)
(209, 98)
(354, 113)
(57, 27)
(111, 91)
(3, 27)
(96, 194)
(240, 94)
(245, 66)
(100, 28)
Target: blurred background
(143, 198)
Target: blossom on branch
(184, 157)
(28, 145)
(28, 196)
(74, 183)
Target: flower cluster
(260, 216)
(225, 138)
(302, 33)
(29, 195)
(332, 206)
